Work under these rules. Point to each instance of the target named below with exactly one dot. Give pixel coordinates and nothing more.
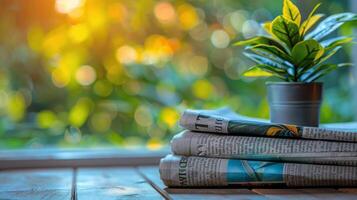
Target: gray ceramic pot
(295, 103)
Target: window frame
(54, 158)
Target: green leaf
(330, 24)
(326, 56)
(291, 12)
(260, 40)
(329, 53)
(306, 25)
(334, 42)
(286, 30)
(322, 70)
(305, 52)
(267, 61)
(257, 72)
(273, 50)
(264, 71)
(310, 21)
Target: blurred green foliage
(92, 72)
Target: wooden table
(133, 183)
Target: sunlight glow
(85, 75)
(78, 33)
(165, 13)
(61, 77)
(154, 144)
(126, 54)
(169, 116)
(188, 16)
(67, 6)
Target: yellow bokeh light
(67, 6)
(78, 33)
(54, 41)
(126, 54)
(165, 12)
(61, 77)
(202, 89)
(157, 49)
(169, 116)
(97, 17)
(85, 75)
(46, 119)
(79, 112)
(118, 12)
(154, 144)
(188, 16)
(16, 106)
(35, 38)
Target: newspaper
(181, 171)
(188, 143)
(225, 121)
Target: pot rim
(293, 83)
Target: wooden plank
(283, 194)
(348, 190)
(151, 174)
(112, 183)
(328, 193)
(36, 184)
(305, 194)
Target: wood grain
(151, 174)
(305, 194)
(36, 184)
(112, 183)
(328, 193)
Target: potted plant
(296, 52)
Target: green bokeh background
(110, 72)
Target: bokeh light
(220, 39)
(126, 54)
(46, 119)
(67, 6)
(143, 116)
(165, 12)
(84, 73)
(188, 16)
(202, 89)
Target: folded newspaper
(225, 121)
(188, 143)
(181, 171)
(222, 148)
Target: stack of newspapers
(221, 148)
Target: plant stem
(295, 73)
